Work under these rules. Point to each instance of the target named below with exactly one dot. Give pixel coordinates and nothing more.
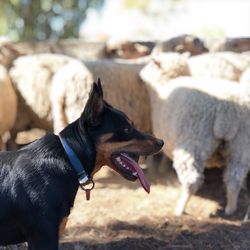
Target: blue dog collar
(75, 162)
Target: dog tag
(87, 194)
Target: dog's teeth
(125, 166)
(121, 163)
(135, 174)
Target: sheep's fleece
(194, 116)
(122, 86)
(226, 65)
(32, 76)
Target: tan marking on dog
(62, 226)
(105, 137)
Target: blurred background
(98, 20)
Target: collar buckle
(89, 182)
(87, 190)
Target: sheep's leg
(187, 191)
(190, 173)
(183, 200)
(234, 177)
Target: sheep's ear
(94, 106)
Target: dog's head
(118, 143)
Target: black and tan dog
(38, 183)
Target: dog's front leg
(44, 239)
(43, 243)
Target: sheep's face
(191, 44)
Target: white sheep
(31, 76)
(117, 47)
(194, 116)
(181, 44)
(238, 44)
(214, 65)
(8, 104)
(121, 82)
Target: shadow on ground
(168, 235)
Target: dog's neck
(80, 142)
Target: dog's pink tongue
(135, 167)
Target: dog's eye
(128, 130)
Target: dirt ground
(120, 215)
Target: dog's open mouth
(127, 165)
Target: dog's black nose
(160, 143)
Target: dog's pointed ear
(94, 105)
(100, 86)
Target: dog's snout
(160, 142)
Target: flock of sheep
(197, 102)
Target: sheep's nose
(160, 142)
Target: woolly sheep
(8, 103)
(121, 82)
(181, 44)
(225, 65)
(31, 76)
(213, 65)
(122, 48)
(195, 116)
(239, 44)
(167, 66)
